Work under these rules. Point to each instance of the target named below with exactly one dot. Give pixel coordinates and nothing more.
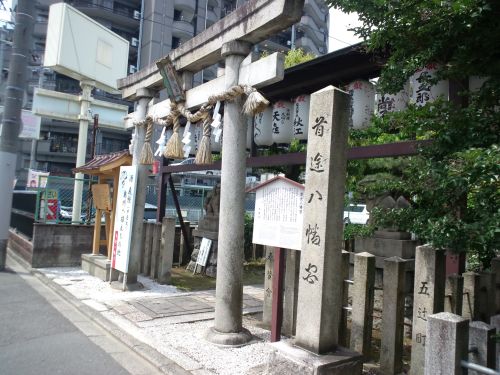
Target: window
(176, 42)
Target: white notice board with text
(122, 231)
(279, 208)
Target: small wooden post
(97, 232)
(278, 275)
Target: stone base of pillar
(232, 339)
(98, 266)
(132, 287)
(290, 359)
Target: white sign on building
(123, 218)
(83, 49)
(279, 207)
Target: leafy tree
(453, 184)
(297, 56)
(294, 57)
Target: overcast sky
(339, 36)
(5, 14)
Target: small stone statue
(212, 203)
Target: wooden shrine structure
(107, 169)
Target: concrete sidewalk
(165, 326)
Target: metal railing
(478, 368)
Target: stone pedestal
(386, 244)
(98, 266)
(289, 359)
(208, 227)
(198, 235)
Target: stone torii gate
(230, 39)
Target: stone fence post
(391, 351)
(470, 308)
(447, 344)
(495, 268)
(268, 287)
(454, 294)
(495, 323)
(487, 295)
(166, 256)
(292, 270)
(343, 336)
(481, 345)
(362, 302)
(146, 255)
(155, 250)
(428, 298)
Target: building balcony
(308, 46)
(183, 30)
(188, 6)
(211, 16)
(40, 29)
(119, 13)
(313, 31)
(318, 13)
(213, 3)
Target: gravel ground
(184, 342)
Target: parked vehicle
(356, 214)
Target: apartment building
(153, 28)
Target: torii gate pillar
(228, 329)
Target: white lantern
(282, 122)
(422, 91)
(301, 116)
(249, 133)
(387, 103)
(362, 103)
(263, 130)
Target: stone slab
(392, 235)
(96, 265)
(206, 234)
(290, 359)
(386, 247)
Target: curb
(147, 352)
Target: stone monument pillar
(228, 329)
(321, 279)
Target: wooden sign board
(101, 195)
(171, 80)
(279, 207)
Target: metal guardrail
(478, 368)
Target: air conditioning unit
(134, 42)
(137, 15)
(132, 69)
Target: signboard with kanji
(279, 206)
(122, 232)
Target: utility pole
(10, 124)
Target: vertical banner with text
(122, 232)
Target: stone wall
(53, 245)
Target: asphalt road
(40, 334)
